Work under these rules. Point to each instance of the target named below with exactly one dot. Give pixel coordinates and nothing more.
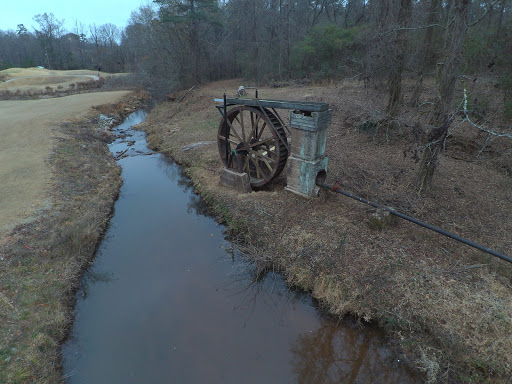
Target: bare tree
(426, 51)
(82, 40)
(399, 52)
(448, 72)
(50, 29)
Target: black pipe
(420, 223)
(226, 130)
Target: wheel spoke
(258, 169)
(254, 130)
(233, 130)
(265, 159)
(261, 142)
(230, 140)
(242, 124)
(262, 129)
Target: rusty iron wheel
(256, 144)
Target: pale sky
(14, 12)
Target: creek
(169, 300)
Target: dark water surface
(168, 300)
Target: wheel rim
(255, 144)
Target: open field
(446, 307)
(37, 79)
(27, 128)
(12, 73)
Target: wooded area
(203, 40)
(178, 43)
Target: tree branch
(466, 118)
(484, 14)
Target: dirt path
(26, 142)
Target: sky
(14, 12)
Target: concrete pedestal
(235, 180)
(301, 175)
(307, 159)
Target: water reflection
(333, 355)
(92, 277)
(176, 174)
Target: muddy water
(168, 300)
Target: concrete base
(235, 180)
(301, 175)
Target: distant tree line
(51, 46)
(205, 40)
(192, 41)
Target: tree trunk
(400, 48)
(194, 41)
(447, 75)
(426, 52)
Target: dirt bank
(446, 307)
(59, 185)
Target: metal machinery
(253, 139)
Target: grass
(41, 264)
(30, 83)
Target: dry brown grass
(447, 306)
(42, 260)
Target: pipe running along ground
(335, 188)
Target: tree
(21, 30)
(192, 20)
(399, 51)
(82, 41)
(448, 72)
(50, 30)
(427, 54)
